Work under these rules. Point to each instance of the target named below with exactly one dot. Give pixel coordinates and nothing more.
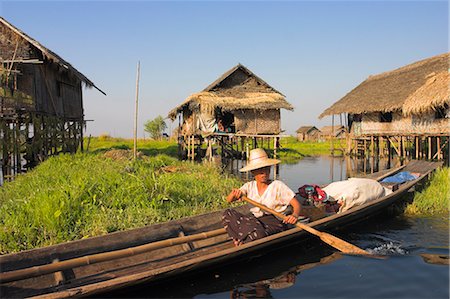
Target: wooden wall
(54, 90)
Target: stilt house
(329, 132)
(242, 101)
(41, 103)
(407, 107)
(238, 103)
(307, 133)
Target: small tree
(155, 127)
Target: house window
(386, 117)
(442, 112)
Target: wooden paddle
(331, 240)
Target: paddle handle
(279, 215)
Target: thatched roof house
(239, 98)
(381, 104)
(43, 81)
(328, 132)
(307, 133)
(388, 91)
(41, 102)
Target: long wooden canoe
(94, 265)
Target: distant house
(239, 100)
(329, 132)
(307, 133)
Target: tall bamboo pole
(332, 133)
(136, 110)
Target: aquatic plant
(70, 197)
(434, 199)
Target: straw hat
(258, 159)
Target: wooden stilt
(275, 146)
(438, 143)
(332, 135)
(429, 148)
(416, 146)
(388, 147)
(371, 146)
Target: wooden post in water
(136, 111)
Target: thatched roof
(50, 55)
(433, 94)
(331, 130)
(388, 91)
(306, 129)
(236, 89)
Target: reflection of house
(306, 133)
(329, 132)
(41, 104)
(238, 103)
(240, 99)
(406, 105)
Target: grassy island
(70, 197)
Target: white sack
(354, 192)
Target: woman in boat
(273, 194)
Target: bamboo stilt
(438, 142)
(429, 148)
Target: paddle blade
(341, 245)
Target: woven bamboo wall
(257, 122)
(423, 124)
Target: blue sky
(313, 52)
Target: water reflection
(262, 289)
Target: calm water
(318, 271)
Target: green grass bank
(290, 148)
(435, 198)
(70, 197)
(148, 147)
